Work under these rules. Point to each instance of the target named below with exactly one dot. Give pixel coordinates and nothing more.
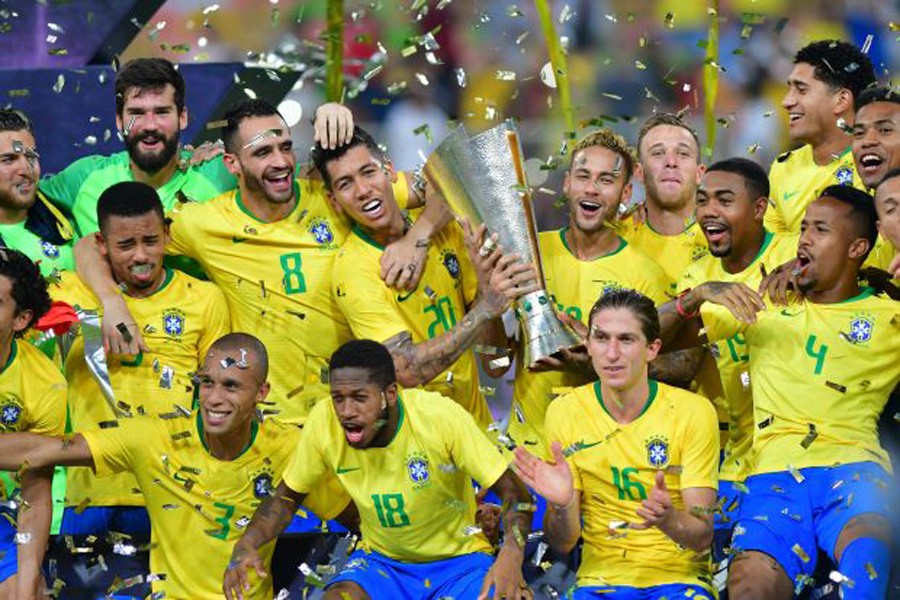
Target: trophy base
(543, 333)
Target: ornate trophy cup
(483, 178)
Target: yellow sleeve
(216, 320)
(50, 411)
(773, 220)
(472, 451)
(466, 268)
(182, 233)
(401, 191)
(307, 466)
(555, 431)
(113, 449)
(700, 462)
(362, 297)
(328, 499)
(719, 323)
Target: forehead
(595, 157)
(668, 135)
(354, 157)
(804, 73)
(7, 139)
(352, 378)
(713, 181)
(888, 189)
(878, 111)
(5, 288)
(214, 368)
(163, 95)
(271, 127)
(827, 209)
(146, 224)
(616, 321)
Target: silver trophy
(483, 178)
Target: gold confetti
(796, 474)
(810, 437)
(670, 20)
(870, 570)
(836, 386)
(798, 550)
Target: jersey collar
(13, 350)
(246, 211)
(254, 429)
(565, 243)
(400, 420)
(654, 387)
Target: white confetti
(548, 75)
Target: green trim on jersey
(13, 350)
(246, 211)
(562, 237)
(254, 429)
(654, 387)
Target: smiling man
(827, 76)
(430, 330)
(180, 317)
(407, 459)
(634, 467)
(202, 472)
(821, 370)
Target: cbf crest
(11, 412)
(844, 175)
(451, 263)
(49, 250)
(861, 327)
(418, 469)
(658, 452)
(173, 322)
(263, 486)
(321, 232)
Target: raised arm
(269, 520)
(95, 272)
(417, 364)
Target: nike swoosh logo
(787, 313)
(342, 470)
(789, 195)
(238, 240)
(583, 446)
(402, 298)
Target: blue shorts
(671, 591)
(460, 577)
(98, 520)
(724, 519)
(8, 554)
(791, 520)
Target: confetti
(472, 530)
(797, 475)
(181, 435)
(870, 570)
(548, 76)
(798, 550)
(810, 437)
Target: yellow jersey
(276, 278)
(795, 181)
(671, 252)
(820, 375)
(614, 468)
(378, 312)
(32, 393)
(574, 286)
(200, 505)
(732, 359)
(179, 322)
(414, 496)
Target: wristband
(680, 309)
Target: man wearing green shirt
(28, 223)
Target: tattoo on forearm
(270, 519)
(677, 368)
(426, 360)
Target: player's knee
(868, 525)
(756, 576)
(345, 589)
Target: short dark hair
(895, 172)
(128, 199)
(148, 74)
(664, 118)
(838, 64)
(368, 355)
(15, 120)
(29, 289)
(244, 341)
(320, 156)
(755, 179)
(244, 109)
(862, 210)
(876, 93)
(640, 306)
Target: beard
(255, 185)
(151, 163)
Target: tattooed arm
(418, 364)
(677, 368)
(269, 520)
(505, 574)
(739, 299)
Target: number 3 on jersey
(292, 264)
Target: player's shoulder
(681, 401)
(430, 406)
(202, 211)
(70, 288)
(358, 254)
(193, 288)
(278, 432)
(90, 164)
(572, 401)
(39, 369)
(634, 255)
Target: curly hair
(838, 65)
(607, 138)
(29, 289)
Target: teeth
(141, 269)
(216, 415)
(590, 205)
(371, 205)
(871, 160)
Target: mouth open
(794, 117)
(589, 207)
(281, 180)
(216, 417)
(803, 261)
(371, 206)
(714, 232)
(870, 163)
(353, 432)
